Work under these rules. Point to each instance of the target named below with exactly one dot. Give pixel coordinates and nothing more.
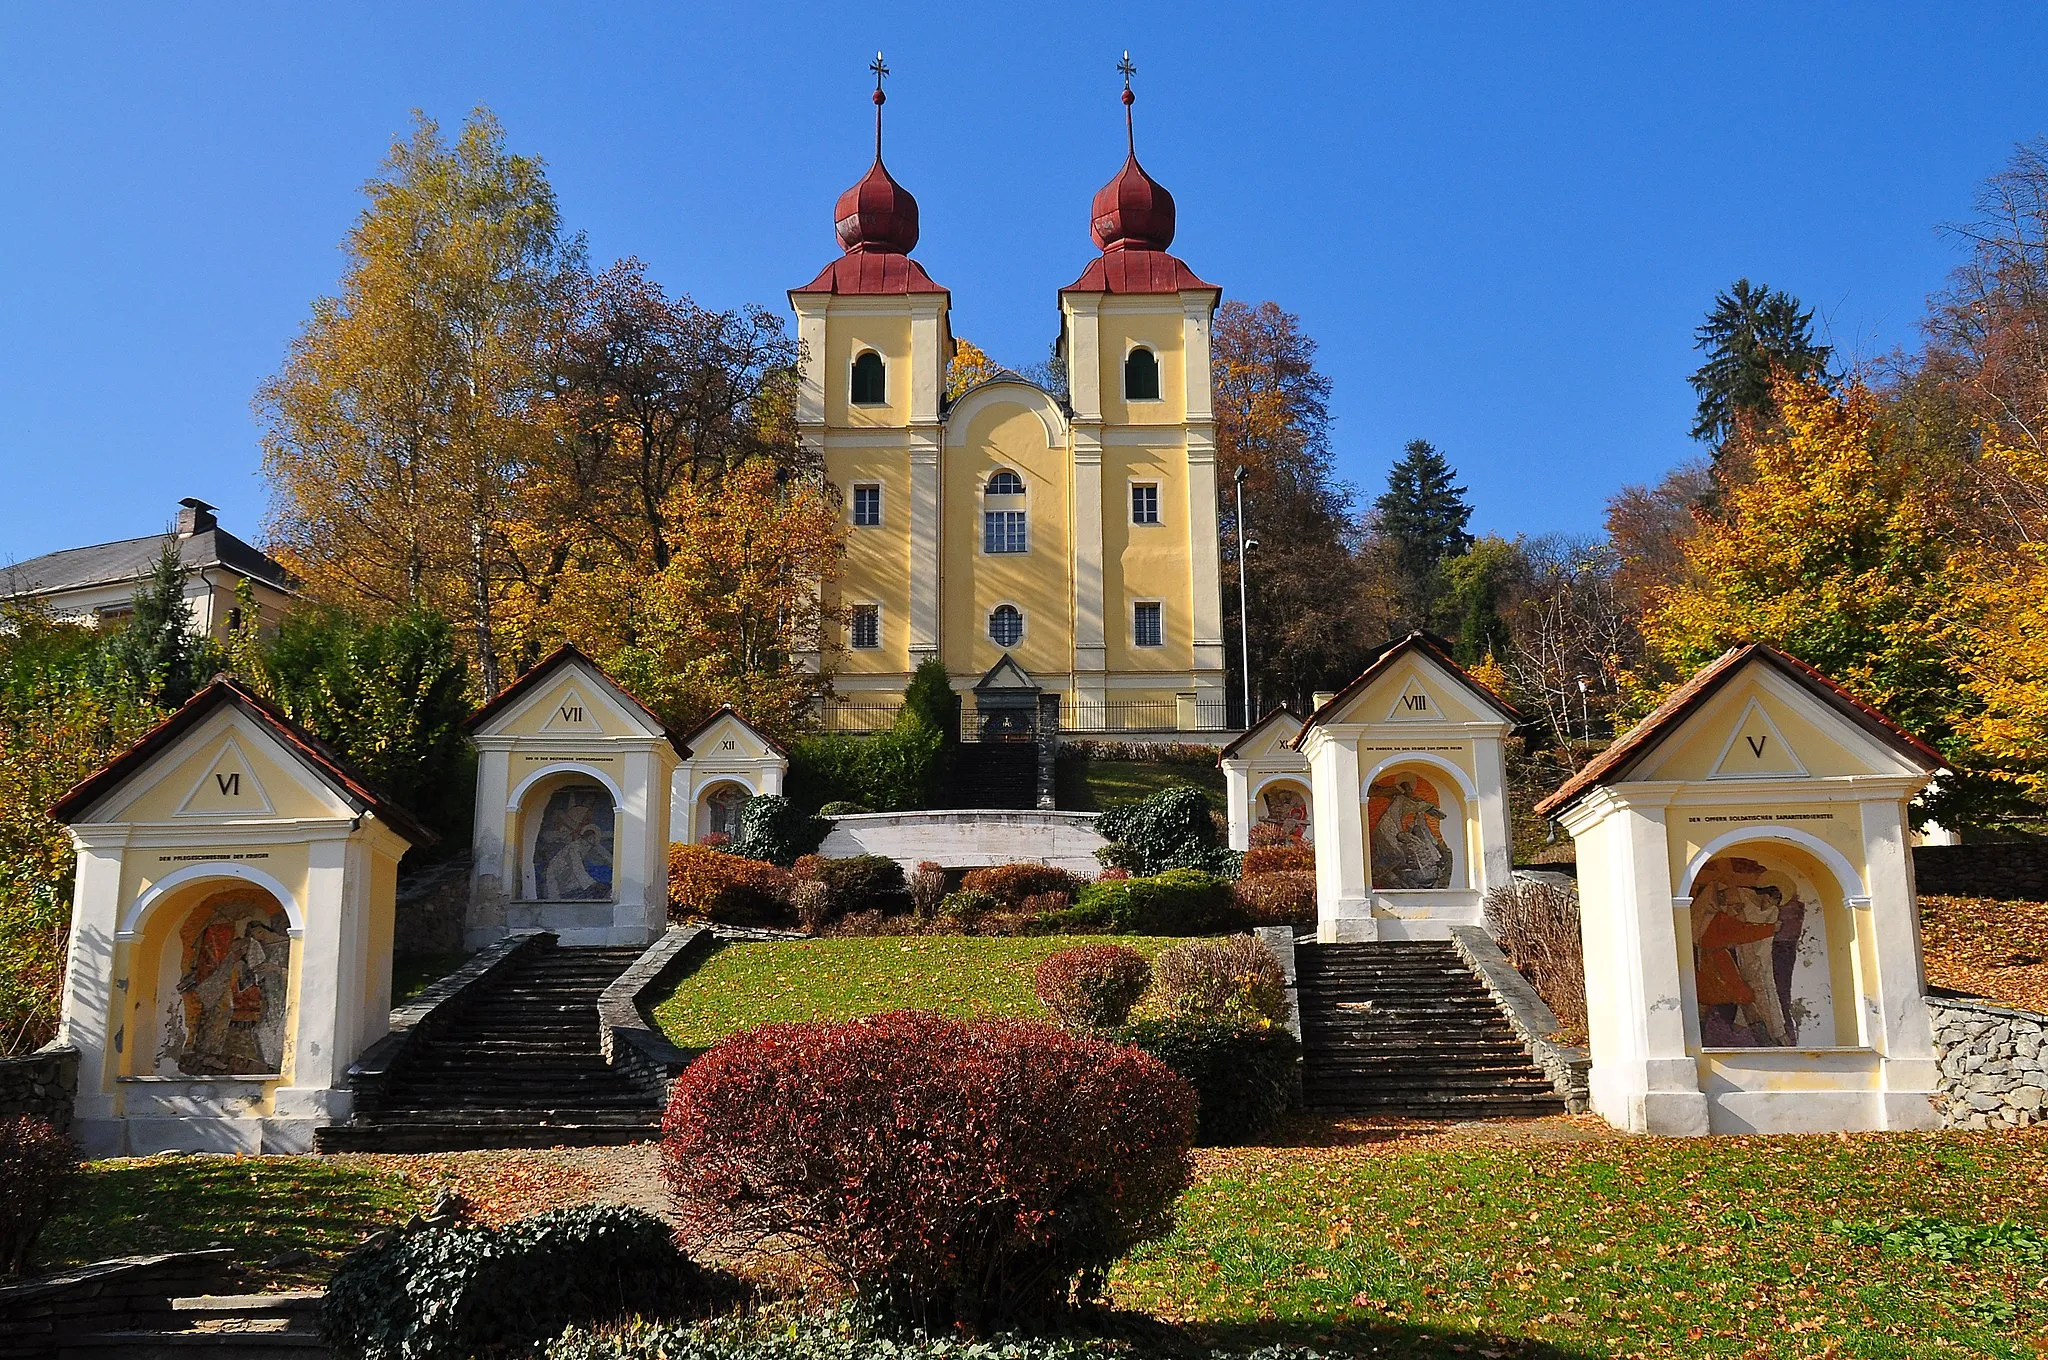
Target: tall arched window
(870, 382)
(1005, 625)
(1003, 526)
(1141, 375)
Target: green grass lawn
(302, 1213)
(1617, 1246)
(745, 985)
(1092, 785)
(412, 974)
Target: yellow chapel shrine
(1076, 536)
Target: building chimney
(195, 517)
(1323, 696)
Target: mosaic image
(572, 854)
(1408, 846)
(1285, 808)
(722, 810)
(228, 1016)
(1760, 955)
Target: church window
(1005, 483)
(1005, 625)
(1141, 375)
(867, 626)
(870, 387)
(1003, 531)
(867, 506)
(1148, 629)
(1144, 502)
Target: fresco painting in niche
(1760, 957)
(1286, 808)
(1406, 820)
(722, 810)
(228, 1015)
(572, 853)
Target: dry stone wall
(1994, 1063)
(43, 1083)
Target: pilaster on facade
(925, 574)
(1091, 653)
(1204, 548)
(1084, 356)
(810, 334)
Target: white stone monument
(1409, 792)
(1266, 781)
(1747, 908)
(572, 809)
(730, 760)
(230, 933)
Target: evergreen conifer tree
(154, 653)
(1422, 517)
(1751, 330)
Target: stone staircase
(1405, 1029)
(518, 1067)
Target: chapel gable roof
(1636, 745)
(1281, 717)
(723, 713)
(325, 763)
(1416, 643)
(565, 657)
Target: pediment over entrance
(1412, 681)
(567, 695)
(1269, 736)
(1006, 676)
(726, 736)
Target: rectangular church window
(867, 506)
(867, 626)
(1147, 628)
(1144, 502)
(1002, 531)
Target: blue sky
(1500, 222)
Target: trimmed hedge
(727, 887)
(1172, 829)
(863, 883)
(945, 1172)
(1286, 898)
(444, 1293)
(1230, 979)
(1010, 884)
(1177, 902)
(1282, 856)
(1248, 1076)
(1092, 986)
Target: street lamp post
(1244, 618)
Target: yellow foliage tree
(969, 365)
(2002, 584)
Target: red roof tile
(1133, 270)
(863, 273)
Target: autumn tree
(1751, 334)
(1988, 328)
(413, 403)
(1272, 421)
(736, 616)
(1421, 518)
(2002, 615)
(1647, 526)
(969, 365)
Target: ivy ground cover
(744, 985)
(1532, 1243)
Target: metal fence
(842, 716)
(1080, 718)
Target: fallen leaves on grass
(498, 1186)
(1993, 949)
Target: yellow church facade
(1078, 535)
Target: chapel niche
(1284, 807)
(223, 988)
(1764, 964)
(573, 848)
(1413, 820)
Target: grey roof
(131, 560)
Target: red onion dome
(878, 214)
(1133, 210)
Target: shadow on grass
(1311, 1130)
(1381, 1338)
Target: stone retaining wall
(130, 1294)
(970, 839)
(43, 1083)
(2016, 872)
(627, 1036)
(1994, 1063)
(1569, 1069)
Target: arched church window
(1005, 625)
(1141, 375)
(870, 385)
(1003, 526)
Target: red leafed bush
(1287, 898)
(731, 888)
(1010, 884)
(1286, 855)
(946, 1172)
(1093, 986)
(37, 1167)
(1115, 873)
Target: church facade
(1075, 534)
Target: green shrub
(830, 1338)
(843, 808)
(1246, 1075)
(1177, 902)
(967, 906)
(929, 699)
(774, 829)
(38, 1167)
(1230, 979)
(898, 770)
(434, 1293)
(1170, 830)
(863, 883)
(1091, 986)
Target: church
(1075, 534)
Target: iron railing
(1080, 718)
(838, 715)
